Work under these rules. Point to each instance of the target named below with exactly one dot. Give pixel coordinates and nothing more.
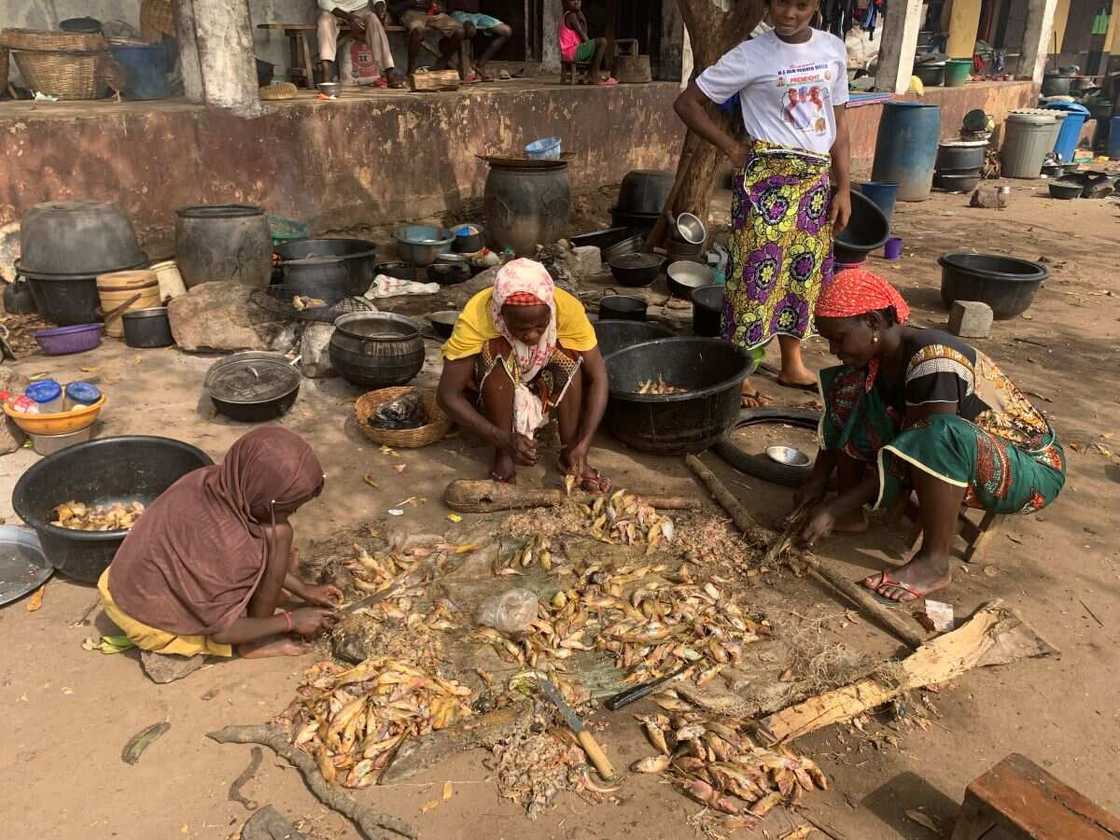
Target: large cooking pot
(867, 231)
(98, 472)
(710, 369)
(376, 349)
(1057, 84)
(961, 155)
(253, 387)
(616, 334)
(327, 269)
(1006, 284)
(526, 203)
(218, 242)
(77, 238)
(64, 299)
(644, 191)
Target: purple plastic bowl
(63, 340)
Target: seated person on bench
(366, 19)
(918, 409)
(476, 23)
(577, 46)
(422, 16)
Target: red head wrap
(523, 299)
(856, 291)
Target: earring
(875, 338)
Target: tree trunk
(712, 32)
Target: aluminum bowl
(691, 229)
(421, 245)
(685, 277)
(789, 456)
(331, 89)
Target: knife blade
(583, 735)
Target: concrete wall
(365, 159)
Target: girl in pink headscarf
(519, 350)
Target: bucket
(118, 287)
(145, 70)
(170, 281)
(906, 148)
(882, 195)
(1114, 138)
(957, 72)
(1069, 133)
(1028, 137)
(893, 249)
(547, 148)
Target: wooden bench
(301, 68)
(1018, 800)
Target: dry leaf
(36, 599)
(368, 479)
(400, 467)
(799, 833)
(1104, 450)
(448, 791)
(429, 805)
(923, 820)
(454, 517)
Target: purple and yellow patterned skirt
(781, 245)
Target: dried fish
(77, 516)
(659, 387)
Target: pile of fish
(719, 766)
(650, 620)
(532, 768)
(623, 518)
(659, 387)
(353, 720)
(77, 516)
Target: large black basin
(616, 334)
(129, 468)
(867, 231)
(645, 192)
(327, 269)
(710, 368)
(1006, 284)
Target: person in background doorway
(422, 16)
(206, 566)
(919, 410)
(576, 46)
(520, 350)
(367, 21)
(791, 182)
(476, 23)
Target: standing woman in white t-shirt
(793, 87)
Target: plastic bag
(511, 612)
(406, 412)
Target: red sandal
(885, 580)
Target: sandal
(811, 387)
(885, 580)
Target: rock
(165, 667)
(287, 339)
(220, 316)
(970, 319)
(315, 358)
(269, 824)
(585, 261)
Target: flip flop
(885, 580)
(807, 386)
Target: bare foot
(503, 469)
(272, 646)
(853, 523)
(752, 397)
(592, 481)
(798, 378)
(918, 578)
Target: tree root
(368, 821)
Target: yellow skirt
(158, 641)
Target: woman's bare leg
(850, 473)
(794, 371)
(269, 593)
(497, 405)
(931, 569)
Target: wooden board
(434, 80)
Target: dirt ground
(70, 712)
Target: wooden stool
(975, 534)
(1018, 800)
(570, 70)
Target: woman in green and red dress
(918, 409)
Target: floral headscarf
(525, 282)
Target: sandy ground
(68, 712)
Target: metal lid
(219, 211)
(251, 378)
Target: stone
(163, 668)
(12, 436)
(315, 357)
(269, 824)
(970, 319)
(220, 316)
(585, 261)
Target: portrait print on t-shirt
(807, 97)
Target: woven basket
(65, 75)
(439, 423)
(38, 40)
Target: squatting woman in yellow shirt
(519, 350)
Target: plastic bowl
(59, 423)
(62, 341)
(547, 148)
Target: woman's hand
(737, 152)
(820, 524)
(841, 210)
(322, 595)
(309, 621)
(522, 448)
(812, 491)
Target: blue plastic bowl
(547, 148)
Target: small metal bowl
(691, 229)
(789, 456)
(686, 276)
(331, 89)
(444, 322)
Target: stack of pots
(138, 289)
(642, 197)
(959, 164)
(65, 246)
(223, 242)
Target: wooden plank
(1024, 800)
(433, 80)
(995, 635)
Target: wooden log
(432, 80)
(760, 536)
(494, 496)
(995, 635)
(369, 822)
